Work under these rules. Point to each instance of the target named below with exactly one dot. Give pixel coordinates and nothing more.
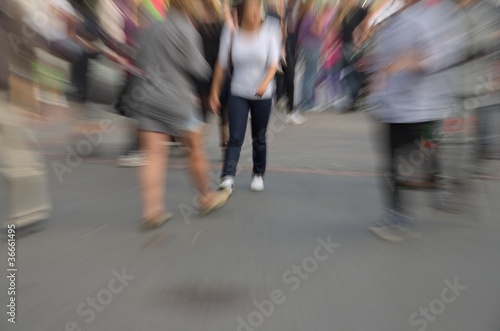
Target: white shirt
(387, 9)
(48, 19)
(111, 20)
(253, 53)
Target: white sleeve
(275, 41)
(112, 21)
(224, 48)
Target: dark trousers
(79, 58)
(238, 120)
(405, 156)
(285, 83)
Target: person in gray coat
(480, 80)
(163, 101)
(412, 93)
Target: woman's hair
(215, 6)
(344, 10)
(304, 7)
(191, 7)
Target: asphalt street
(296, 257)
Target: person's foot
(257, 184)
(295, 118)
(130, 160)
(317, 109)
(390, 233)
(227, 183)
(394, 227)
(156, 221)
(218, 200)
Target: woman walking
(210, 29)
(163, 103)
(252, 54)
(311, 35)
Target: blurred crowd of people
(411, 62)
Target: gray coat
(171, 55)
(477, 75)
(437, 32)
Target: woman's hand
(214, 103)
(261, 90)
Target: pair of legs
(79, 58)
(405, 155)
(238, 119)
(223, 118)
(311, 58)
(152, 176)
(21, 162)
(285, 84)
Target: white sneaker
(131, 160)
(295, 118)
(317, 109)
(227, 183)
(257, 184)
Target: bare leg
(152, 176)
(199, 165)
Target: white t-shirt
(252, 55)
(111, 20)
(387, 9)
(48, 20)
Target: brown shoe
(156, 221)
(218, 201)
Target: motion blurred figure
(481, 72)
(170, 55)
(21, 163)
(413, 93)
(210, 29)
(252, 54)
(351, 23)
(311, 34)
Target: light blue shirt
(437, 32)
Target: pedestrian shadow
(199, 296)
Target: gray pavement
(208, 273)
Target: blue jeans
(238, 109)
(311, 57)
(79, 58)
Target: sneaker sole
(218, 202)
(386, 235)
(157, 221)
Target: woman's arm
(221, 67)
(271, 72)
(219, 75)
(273, 60)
